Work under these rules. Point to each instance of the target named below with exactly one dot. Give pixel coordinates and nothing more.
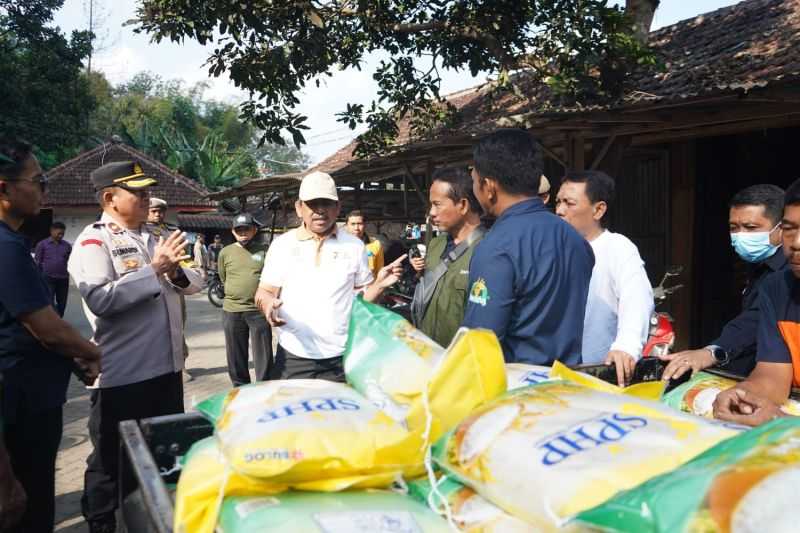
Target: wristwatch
(721, 357)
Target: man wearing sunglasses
(37, 348)
(131, 282)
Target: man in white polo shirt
(310, 277)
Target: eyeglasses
(41, 179)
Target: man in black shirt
(754, 220)
(37, 348)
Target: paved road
(206, 364)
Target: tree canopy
(45, 96)
(50, 99)
(201, 138)
(274, 48)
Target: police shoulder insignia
(114, 227)
(87, 242)
(479, 293)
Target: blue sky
(126, 53)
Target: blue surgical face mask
(754, 247)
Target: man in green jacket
(239, 267)
(441, 295)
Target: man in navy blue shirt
(36, 345)
(758, 398)
(754, 220)
(529, 277)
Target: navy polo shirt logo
(479, 293)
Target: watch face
(719, 354)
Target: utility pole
(91, 30)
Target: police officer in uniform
(158, 226)
(131, 282)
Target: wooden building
(723, 113)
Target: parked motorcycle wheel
(216, 293)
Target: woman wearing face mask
(754, 222)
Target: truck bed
(149, 450)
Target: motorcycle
(661, 336)
(216, 290)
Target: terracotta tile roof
(69, 183)
(750, 44)
(738, 48)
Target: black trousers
(243, 329)
(162, 395)
(60, 290)
(290, 366)
(32, 442)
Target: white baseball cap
(318, 185)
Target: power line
(328, 133)
(347, 138)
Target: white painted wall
(77, 218)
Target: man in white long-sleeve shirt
(620, 296)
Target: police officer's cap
(125, 174)
(244, 220)
(157, 203)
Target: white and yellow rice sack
(369, 511)
(698, 394)
(418, 383)
(299, 431)
(546, 452)
(522, 375)
(310, 435)
(465, 509)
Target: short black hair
(460, 184)
(58, 225)
(355, 213)
(600, 187)
(13, 155)
(792, 196)
(513, 158)
(769, 196)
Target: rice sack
(371, 511)
(649, 390)
(413, 379)
(746, 484)
(206, 478)
(697, 395)
(546, 452)
(469, 511)
(309, 431)
(521, 375)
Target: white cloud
(120, 63)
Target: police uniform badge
(130, 264)
(114, 227)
